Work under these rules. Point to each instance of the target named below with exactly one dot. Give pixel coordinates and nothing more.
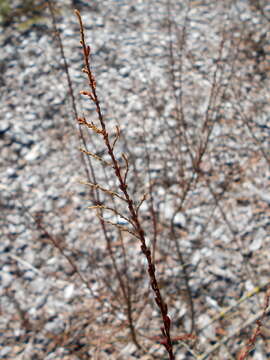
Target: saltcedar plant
(124, 195)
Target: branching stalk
(166, 340)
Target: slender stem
(166, 340)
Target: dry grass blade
(105, 163)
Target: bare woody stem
(166, 337)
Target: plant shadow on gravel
(177, 266)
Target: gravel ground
(216, 221)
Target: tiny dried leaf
(99, 187)
(116, 136)
(97, 207)
(140, 203)
(127, 167)
(184, 337)
(90, 126)
(112, 210)
(121, 228)
(104, 162)
(88, 93)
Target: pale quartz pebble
(69, 291)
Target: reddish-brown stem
(167, 341)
